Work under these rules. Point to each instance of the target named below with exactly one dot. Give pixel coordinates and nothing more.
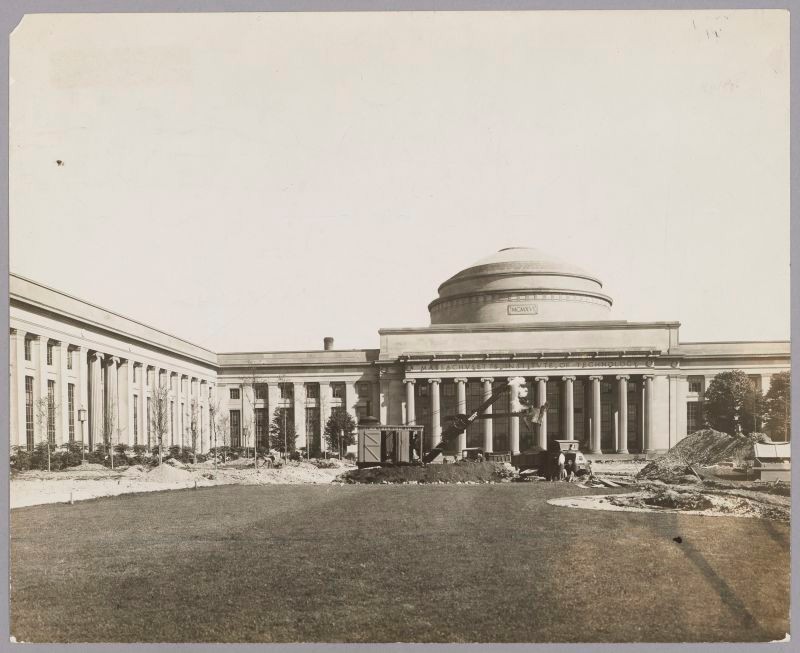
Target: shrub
(20, 459)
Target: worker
(570, 471)
(562, 474)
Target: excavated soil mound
(167, 474)
(467, 472)
(701, 448)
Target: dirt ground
(90, 481)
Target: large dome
(518, 285)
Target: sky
(259, 181)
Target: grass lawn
(387, 563)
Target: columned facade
(613, 385)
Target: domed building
(518, 285)
(616, 386)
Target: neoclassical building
(616, 386)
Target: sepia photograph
(399, 326)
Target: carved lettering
(475, 366)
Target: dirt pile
(167, 474)
(466, 472)
(700, 449)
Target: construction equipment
(459, 423)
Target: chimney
(328, 343)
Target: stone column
(202, 417)
(63, 416)
(569, 411)
(541, 400)
(411, 406)
(112, 401)
(461, 409)
(596, 420)
(174, 430)
(96, 408)
(300, 414)
(436, 412)
(648, 413)
(351, 398)
(273, 397)
(39, 384)
(17, 387)
(488, 431)
(82, 394)
(142, 403)
(514, 421)
(125, 407)
(622, 403)
(384, 400)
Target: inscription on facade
(523, 309)
(476, 366)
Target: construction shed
(772, 461)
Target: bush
(20, 459)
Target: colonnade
(565, 412)
(115, 393)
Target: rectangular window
(149, 423)
(337, 390)
(70, 355)
(49, 353)
(71, 408)
(312, 390)
(312, 429)
(696, 384)
(261, 391)
(287, 390)
(236, 428)
(135, 420)
(262, 424)
(693, 416)
(755, 380)
(235, 393)
(364, 389)
(51, 412)
(29, 412)
(28, 349)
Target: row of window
(262, 419)
(50, 349)
(286, 390)
(71, 356)
(698, 384)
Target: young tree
(732, 402)
(109, 424)
(282, 435)
(213, 408)
(44, 410)
(340, 431)
(194, 412)
(159, 416)
(223, 428)
(778, 407)
(251, 385)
